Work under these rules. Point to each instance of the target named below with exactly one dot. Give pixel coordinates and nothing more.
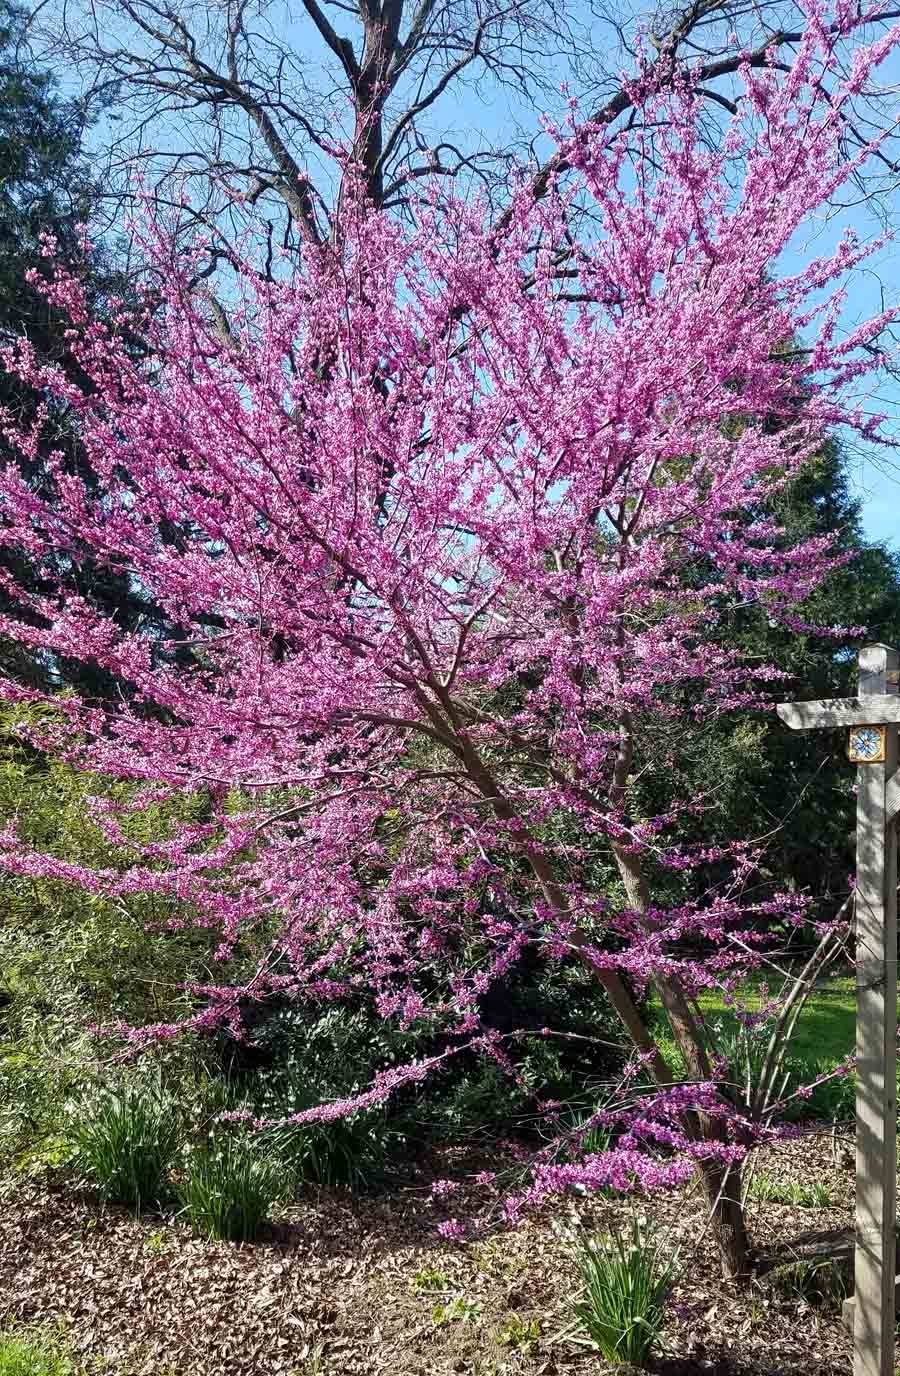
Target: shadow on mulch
(331, 1218)
(728, 1366)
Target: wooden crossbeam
(827, 712)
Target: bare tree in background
(268, 102)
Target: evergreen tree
(46, 189)
(791, 791)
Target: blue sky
(874, 470)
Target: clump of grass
(821, 1283)
(625, 1284)
(457, 1310)
(228, 1189)
(429, 1280)
(765, 1190)
(125, 1142)
(32, 1355)
(313, 1365)
(344, 1152)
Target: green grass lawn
(32, 1355)
(826, 1029)
(824, 1036)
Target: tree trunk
(722, 1187)
(721, 1182)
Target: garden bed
(344, 1285)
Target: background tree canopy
(47, 189)
(791, 790)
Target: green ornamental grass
(228, 1189)
(348, 1151)
(625, 1283)
(125, 1142)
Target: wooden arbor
(873, 718)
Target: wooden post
(876, 1039)
(874, 720)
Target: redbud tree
(445, 517)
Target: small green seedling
(522, 1335)
(429, 1281)
(458, 1310)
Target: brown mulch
(332, 1289)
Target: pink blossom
(441, 530)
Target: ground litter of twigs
(351, 1286)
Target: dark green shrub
(125, 1141)
(457, 1105)
(292, 1060)
(313, 1062)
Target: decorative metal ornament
(867, 744)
